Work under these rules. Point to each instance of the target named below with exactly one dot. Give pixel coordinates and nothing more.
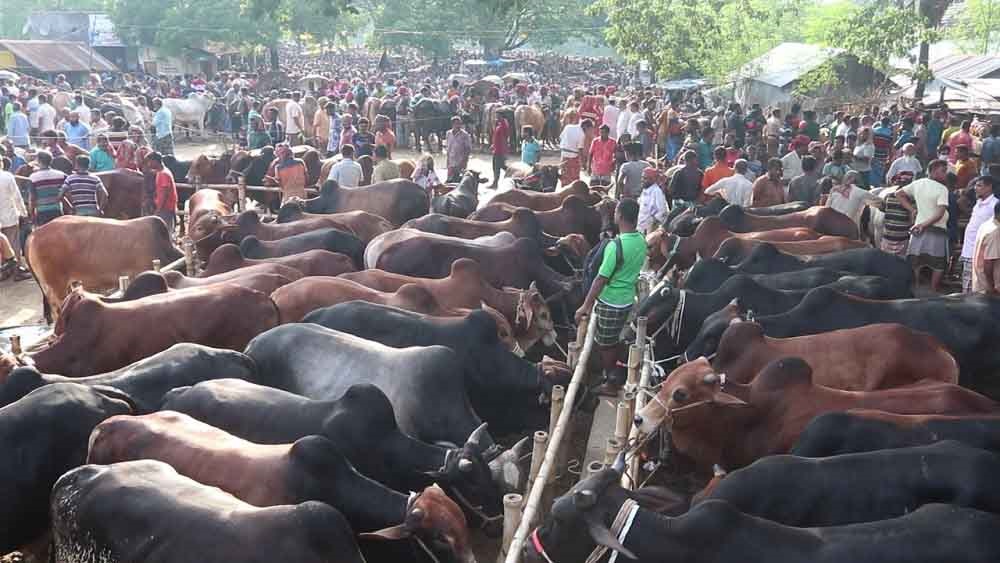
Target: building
(46, 59)
(95, 30)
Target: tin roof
(959, 67)
(58, 56)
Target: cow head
(291, 210)
(660, 306)
(693, 387)
(706, 342)
(211, 231)
(679, 252)
(654, 252)
(554, 372)
(534, 319)
(505, 334)
(549, 176)
(437, 522)
(732, 217)
(471, 472)
(77, 332)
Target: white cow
(191, 110)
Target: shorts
(610, 323)
(599, 180)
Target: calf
(146, 511)
(311, 468)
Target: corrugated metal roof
(786, 63)
(960, 67)
(58, 56)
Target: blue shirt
(704, 154)
(163, 121)
(17, 129)
(78, 134)
(990, 153)
(529, 152)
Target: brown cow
(465, 288)
(397, 201)
(683, 252)
(361, 224)
(878, 356)
(573, 216)
(734, 249)
(545, 201)
(95, 252)
(97, 337)
(823, 220)
(264, 278)
(125, 193)
(315, 262)
(716, 421)
(248, 223)
(300, 298)
(269, 475)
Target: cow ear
(729, 400)
(397, 532)
(602, 536)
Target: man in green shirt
(613, 292)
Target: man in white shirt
(718, 124)
(928, 199)
(31, 109)
(12, 209)
(611, 113)
(772, 132)
(571, 149)
(791, 163)
(82, 109)
(844, 127)
(735, 189)
(625, 118)
(653, 206)
(46, 114)
(906, 163)
(982, 213)
(294, 120)
(346, 173)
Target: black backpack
(592, 263)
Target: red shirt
(501, 138)
(602, 154)
(166, 191)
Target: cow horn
(603, 536)
(464, 465)
(711, 378)
(476, 438)
(619, 464)
(397, 532)
(718, 471)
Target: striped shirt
(46, 191)
(81, 191)
(897, 220)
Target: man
(12, 208)
(907, 162)
(882, 136)
(18, 129)
(81, 108)
(928, 199)
(610, 118)
(810, 126)
(625, 118)
(289, 173)
(705, 148)
(571, 147)
(346, 173)
(46, 114)
(965, 167)
(384, 169)
(602, 158)
(45, 193)
(718, 124)
(336, 128)
(990, 151)
(459, 148)
(32, 110)
(629, 181)
(294, 120)
(958, 138)
(500, 147)
(805, 186)
(275, 130)
(163, 128)
(767, 190)
(653, 206)
(986, 259)
(772, 132)
(791, 163)
(844, 127)
(719, 170)
(364, 140)
(685, 186)
(612, 293)
(85, 192)
(102, 157)
(384, 137)
(735, 189)
(982, 213)
(165, 195)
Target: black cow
(361, 424)
(432, 116)
(861, 487)
(333, 240)
(708, 274)
(663, 304)
(965, 324)
(461, 201)
(145, 511)
(853, 431)
(145, 382)
(715, 531)
(765, 258)
(490, 369)
(42, 436)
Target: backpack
(592, 263)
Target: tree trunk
(922, 64)
(273, 52)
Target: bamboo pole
(190, 260)
(156, 264)
(512, 505)
(122, 283)
(611, 450)
(241, 194)
(535, 493)
(631, 476)
(15, 345)
(558, 403)
(623, 421)
(593, 468)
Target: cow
(860, 487)
(461, 201)
(860, 430)
(823, 220)
(681, 312)
(146, 511)
(529, 115)
(466, 288)
(318, 262)
(573, 216)
(95, 337)
(264, 278)
(522, 223)
(248, 223)
(333, 240)
(45, 434)
(431, 116)
(964, 324)
(252, 166)
(361, 424)
(766, 258)
(298, 299)
(579, 524)
(716, 421)
(190, 110)
(396, 201)
(545, 201)
(866, 358)
(146, 381)
(207, 202)
(125, 193)
(311, 468)
(733, 250)
(361, 224)
(490, 369)
(94, 252)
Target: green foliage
(977, 29)
(697, 37)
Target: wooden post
(612, 450)
(623, 422)
(241, 194)
(541, 440)
(558, 403)
(573, 354)
(156, 265)
(512, 504)
(122, 283)
(15, 345)
(190, 260)
(196, 181)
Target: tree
(976, 28)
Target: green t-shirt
(620, 290)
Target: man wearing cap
(459, 144)
(791, 163)
(907, 162)
(653, 206)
